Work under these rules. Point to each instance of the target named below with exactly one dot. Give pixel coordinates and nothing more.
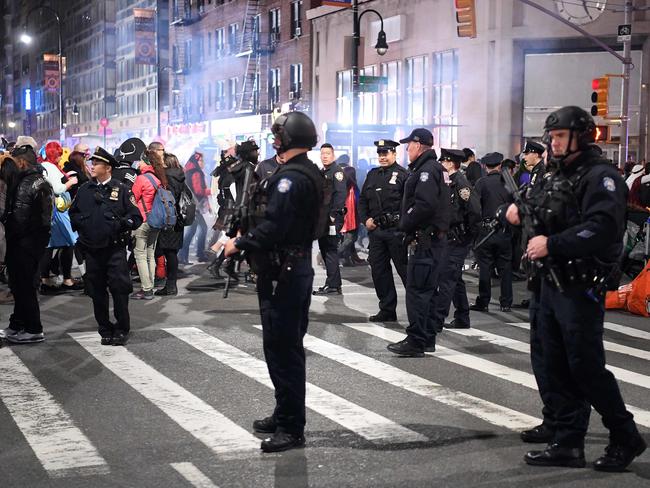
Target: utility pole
(356, 34)
(625, 92)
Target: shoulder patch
(609, 183)
(339, 175)
(284, 185)
(465, 193)
(132, 199)
(393, 178)
(424, 177)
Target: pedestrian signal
(602, 133)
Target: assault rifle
(236, 215)
(530, 224)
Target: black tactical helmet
(576, 120)
(293, 130)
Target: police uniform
(497, 250)
(129, 152)
(380, 200)
(329, 243)
(104, 214)
(463, 226)
(281, 230)
(266, 168)
(424, 214)
(582, 212)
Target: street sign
(624, 33)
(103, 122)
(373, 80)
(369, 88)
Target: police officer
(582, 213)
(104, 212)
(497, 249)
(473, 170)
(329, 242)
(248, 151)
(424, 218)
(285, 214)
(379, 205)
(128, 153)
(463, 226)
(266, 168)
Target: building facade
(487, 93)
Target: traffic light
(602, 133)
(600, 96)
(466, 18)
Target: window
(445, 97)
(219, 42)
(296, 25)
(209, 44)
(367, 100)
(390, 93)
(200, 49)
(295, 83)
(344, 96)
(232, 93)
(233, 30)
(416, 90)
(256, 91)
(274, 86)
(220, 95)
(188, 55)
(274, 25)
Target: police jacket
(102, 213)
(28, 213)
(290, 212)
(266, 168)
(536, 179)
(426, 202)
(125, 174)
(336, 182)
(382, 192)
(587, 216)
(465, 208)
(473, 172)
(492, 194)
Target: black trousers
(421, 283)
(107, 269)
(451, 287)
(385, 246)
(537, 361)
(171, 262)
(329, 246)
(22, 270)
(571, 331)
(496, 251)
(64, 256)
(284, 309)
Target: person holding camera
(379, 204)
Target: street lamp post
(381, 47)
(26, 39)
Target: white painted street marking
(193, 475)
(622, 374)
(642, 417)
(609, 346)
(61, 447)
(216, 431)
(483, 409)
(621, 329)
(365, 423)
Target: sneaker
(5, 333)
(142, 295)
(24, 337)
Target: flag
(145, 36)
(51, 72)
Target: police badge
(115, 191)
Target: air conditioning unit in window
(298, 31)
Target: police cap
(386, 145)
(103, 156)
(533, 147)
(421, 135)
(492, 159)
(453, 155)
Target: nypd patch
(284, 185)
(465, 193)
(609, 184)
(339, 175)
(424, 177)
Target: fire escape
(257, 59)
(185, 13)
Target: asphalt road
(174, 408)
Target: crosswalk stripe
(622, 374)
(365, 423)
(57, 443)
(621, 329)
(193, 475)
(483, 409)
(642, 416)
(209, 426)
(609, 346)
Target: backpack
(186, 207)
(162, 214)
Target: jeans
(145, 254)
(200, 225)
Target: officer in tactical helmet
(283, 220)
(579, 240)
